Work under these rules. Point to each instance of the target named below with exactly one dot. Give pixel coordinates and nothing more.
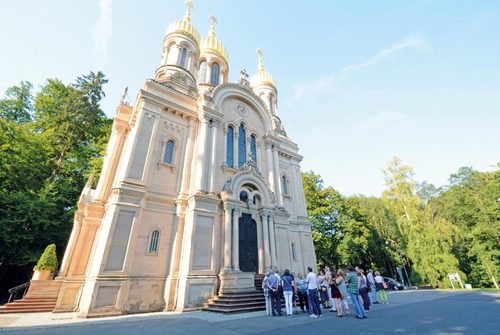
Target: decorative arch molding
(230, 90)
(249, 175)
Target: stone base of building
(237, 282)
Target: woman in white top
(381, 287)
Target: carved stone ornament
(242, 110)
(243, 81)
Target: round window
(243, 196)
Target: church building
(200, 190)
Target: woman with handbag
(323, 288)
(343, 291)
(336, 294)
(381, 287)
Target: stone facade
(194, 161)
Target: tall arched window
(169, 152)
(154, 242)
(202, 75)
(253, 148)
(182, 61)
(242, 146)
(230, 147)
(271, 107)
(284, 186)
(214, 75)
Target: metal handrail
(15, 290)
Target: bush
(48, 260)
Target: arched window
(294, 253)
(214, 75)
(182, 61)
(230, 147)
(284, 186)
(154, 242)
(202, 75)
(253, 148)
(169, 152)
(242, 146)
(271, 104)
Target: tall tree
(47, 151)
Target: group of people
(327, 290)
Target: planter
(42, 275)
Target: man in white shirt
(312, 291)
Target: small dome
(185, 26)
(262, 77)
(212, 44)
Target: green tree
(426, 241)
(324, 206)
(45, 160)
(471, 203)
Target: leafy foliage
(50, 142)
(428, 231)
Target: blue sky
(358, 81)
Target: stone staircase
(41, 297)
(229, 303)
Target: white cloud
(331, 82)
(102, 31)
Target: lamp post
(402, 261)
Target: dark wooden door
(249, 259)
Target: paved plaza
(409, 312)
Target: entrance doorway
(249, 259)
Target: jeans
(288, 302)
(314, 307)
(357, 306)
(373, 293)
(363, 292)
(276, 302)
(304, 306)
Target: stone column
(227, 237)
(68, 254)
(209, 73)
(235, 147)
(277, 177)
(111, 159)
(188, 153)
(272, 237)
(270, 168)
(260, 245)
(265, 229)
(236, 241)
(212, 173)
(201, 168)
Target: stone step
(249, 299)
(4, 310)
(234, 310)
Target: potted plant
(46, 265)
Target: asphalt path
(408, 312)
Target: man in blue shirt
(272, 284)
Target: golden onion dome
(185, 26)
(212, 44)
(262, 77)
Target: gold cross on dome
(261, 60)
(213, 19)
(189, 9)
